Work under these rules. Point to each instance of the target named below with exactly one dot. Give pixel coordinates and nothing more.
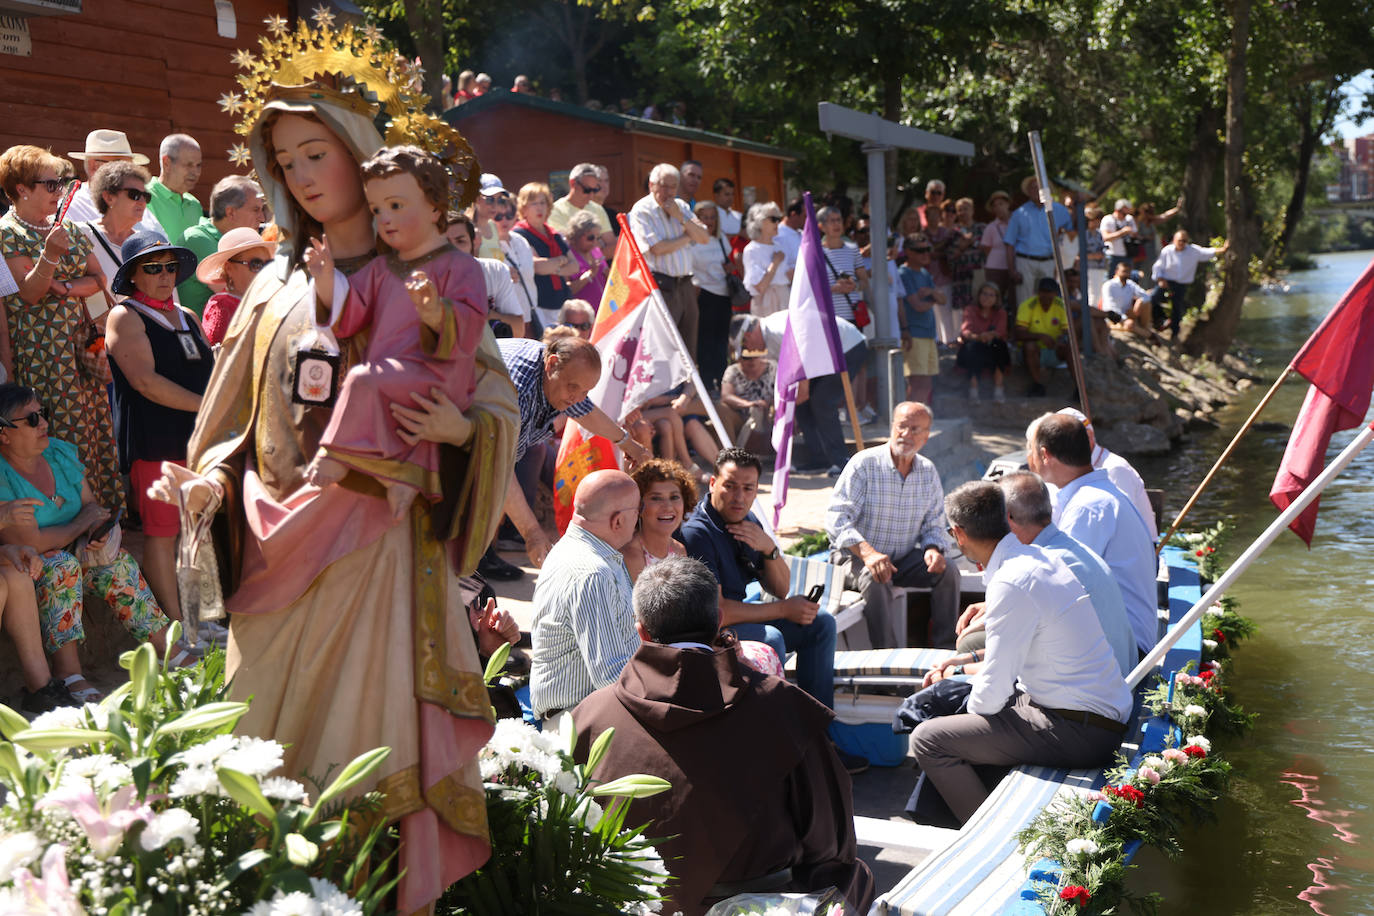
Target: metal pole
(1047, 202)
(1240, 434)
(891, 388)
(1252, 553)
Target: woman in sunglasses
(241, 254)
(46, 332)
(47, 472)
(121, 196)
(161, 364)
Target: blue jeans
(814, 645)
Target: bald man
(584, 627)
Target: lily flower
(105, 822)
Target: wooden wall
(522, 144)
(146, 67)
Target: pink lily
(51, 896)
(104, 822)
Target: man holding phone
(886, 524)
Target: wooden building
(146, 67)
(525, 138)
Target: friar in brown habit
(759, 801)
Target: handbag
(740, 297)
(91, 357)
(862, 318)
(94, 559)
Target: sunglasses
(136, 195)
(255, 264)
(153, 268)
(53, 185)
(580, 325)
(926, 250)
(775, 219)
(33, 418)
(594, 189)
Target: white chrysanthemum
(17, 850)
(565, 782)
(61, 717)
(207, 754)
(1200, 741)
(172, 824)
(1210, 645)
(1193, 709)
(1215, 610)
(261, 908)
(332, 901)
(200, 780)
(1081, 847)
(589, 812)
(296, 903)
(1157, 763)
(283, 789)
(253, 757)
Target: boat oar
(1223, 457)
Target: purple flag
(810, 347)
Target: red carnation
(1211, 550)
(1128, 792)
(1207, 675)
(1077, 894)
(1193, 750)
(1219, 636)
(1199, 553)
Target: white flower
(1193, 710)
(1081, 847)
(295, 904)
(589, 812)
(200, 780)
(1200, 741)
(252, 757)
(207, 754)
(1215, 610)
(172, 824)
(18, 849)
(61, 717)
(332, 901)
(283, 789)
(565, 782)
(1157, 763)
(1210, 645)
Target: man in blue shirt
(1030, 247)
(919, 298)
(722, 533)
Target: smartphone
(815, 594)
(105, 527)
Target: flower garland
(1202, 546)
(1087, 838)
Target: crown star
(323, 17)
(239, 155)
(230, 102)
(275, 24)
(243, 59)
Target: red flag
(641, 357)
(1338, 359)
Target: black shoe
(853, 763)
(50, 696)
(1036, 390)
(498, 570)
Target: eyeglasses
(135, 194)
(52, 184)
(579, 325)
(153, 268)
(775, 219)
(33, 418)
(256, 264)
(949, 529)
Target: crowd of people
(664, 610)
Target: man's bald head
(607, 505)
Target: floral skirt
(61, 590)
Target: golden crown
(356, 68)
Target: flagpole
(853, 411)
(1240, 434)
(1252, 553)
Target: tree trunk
(1325, 109)
(1213, 334)
(892, 111)
(425, 19)
(1197, 175)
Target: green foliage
(808, 544)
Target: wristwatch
(773, 555)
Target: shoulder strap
(828, 264)
(100, 237)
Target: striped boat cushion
(901, 663)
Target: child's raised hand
(319, 261)
(426, 298)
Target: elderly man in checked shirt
(584, 625)
(886, 524)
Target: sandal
(87, 694)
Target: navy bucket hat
(145, 244)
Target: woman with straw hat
(241, 254)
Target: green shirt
(203, 239)
(176, 212)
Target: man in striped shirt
(584, 629)
(666, 230)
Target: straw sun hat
(232, 244)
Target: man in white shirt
(1117, 226)
(503, 303)
(1050, 692)
(104, 146)
(723, 192)
(1090, 509)
(666, 230)
(1174, 271)
(1126, 299)
(583, 186)
(1120, 472)
(789, 234)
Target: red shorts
(160, 520)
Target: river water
(1294, 833)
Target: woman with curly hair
(667, 492)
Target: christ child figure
(423, 306)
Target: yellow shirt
(489, 245)
(563, 211)
(1053, 321)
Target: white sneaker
(998, 394)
